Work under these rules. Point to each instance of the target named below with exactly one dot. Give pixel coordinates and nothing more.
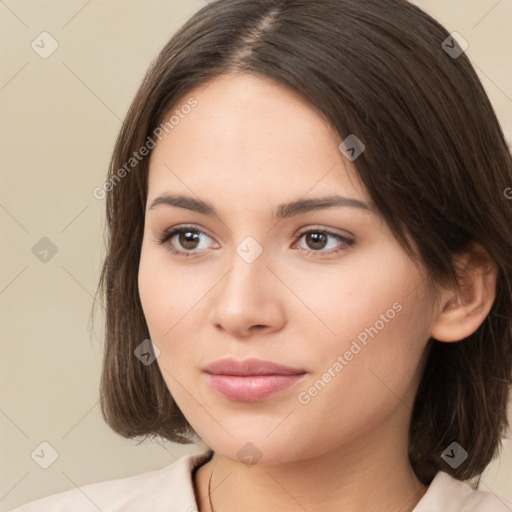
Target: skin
(248, 146)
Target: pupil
(318, 240)
(188, 237)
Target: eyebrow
(283, 210)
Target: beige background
(59, 120)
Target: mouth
(251, 380)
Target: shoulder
(168, 489)
(447, 494)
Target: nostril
(259, 326)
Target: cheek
(376, 315)
(172, 298)
(167, 292)
(339, 302)
(155, 302)
(374, 381)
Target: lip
(230, 366)
(250, 380)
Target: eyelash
(170, 233)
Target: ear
(463, 310)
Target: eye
(183, 240)
(317, 240)
(186, 241)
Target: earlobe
(463, 310)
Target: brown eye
(188, 239)
(185, 241)
(316, 240)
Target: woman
(308, 266)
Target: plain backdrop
(60, 116)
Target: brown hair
(436, 166)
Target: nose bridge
(247, 295)
(248, 270)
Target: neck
(372, 474)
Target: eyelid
(319, 227)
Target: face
(325, 291)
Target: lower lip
(251, 388)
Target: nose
(248, 299)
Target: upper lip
(231, 366)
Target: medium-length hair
(436, 166)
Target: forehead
(250, 136)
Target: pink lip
(250, 380)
